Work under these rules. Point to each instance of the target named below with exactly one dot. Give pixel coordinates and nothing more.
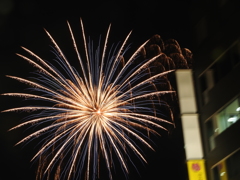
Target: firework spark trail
(93, 116)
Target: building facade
(216, 33)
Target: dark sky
(22, 23)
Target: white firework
(97, 113)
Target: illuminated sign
(196, 169)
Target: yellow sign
(196, 169)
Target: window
(233, 165)
(220, 171)
(207, 82)
(228, 168)
(221, 121)
(234, 54)
(228, 116)
(219, 69)
(210, 134)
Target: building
(216, 32)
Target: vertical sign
(190, 125)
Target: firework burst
(98, 113)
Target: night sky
(22, 23)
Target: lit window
(228, 116)
(221, 121)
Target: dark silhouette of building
(216, 32)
